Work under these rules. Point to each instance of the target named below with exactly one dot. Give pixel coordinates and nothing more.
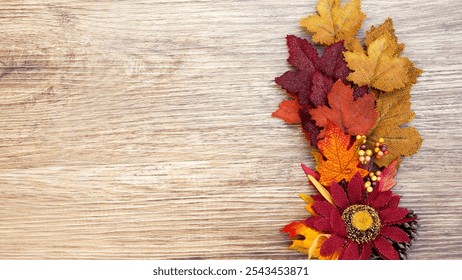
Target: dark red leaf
(332, 63)
(360, 91)
(395, 234)
(309, 127)
(295, 82)
(320, 87)
(385, 249)
(302, 54)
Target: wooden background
(142, 129)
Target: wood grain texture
(142, 129)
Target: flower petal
(366, 251)
(323, 208)
(355, 189)
(394, 201)
(337, 223)
(351, 252)
(394, 234)
(385, 249)
(392, 215)
(332, 245)
(323, 225)
(339, 196)
(381, 200)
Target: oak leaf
(394, 112)
(334, 23)
(353, 116)
(337, 159)
(379, 68)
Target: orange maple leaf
(355, 117)
(337, 160)
(311, 242)
(288, 111)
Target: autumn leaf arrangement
(353, 105)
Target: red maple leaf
(353, 116)
(311, 81)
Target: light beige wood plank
(142, 129)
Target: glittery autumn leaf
(310, 81)
(337, 160)
(334, 23)
(354, 116)
(393, 48)
(394, 112)
(379, 68)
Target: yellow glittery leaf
(394, 112)
(334, 23)
(379, 68)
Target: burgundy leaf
(320, 87)
(332, 63)
(295, 82)
(302, 54)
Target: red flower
(359, 222)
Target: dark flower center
(362, 223)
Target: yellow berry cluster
(372, 180)
(366, 155)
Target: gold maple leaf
(334, 23)
(394, 112)
(379, 68)
(393, 48)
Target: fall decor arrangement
(353, 105)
